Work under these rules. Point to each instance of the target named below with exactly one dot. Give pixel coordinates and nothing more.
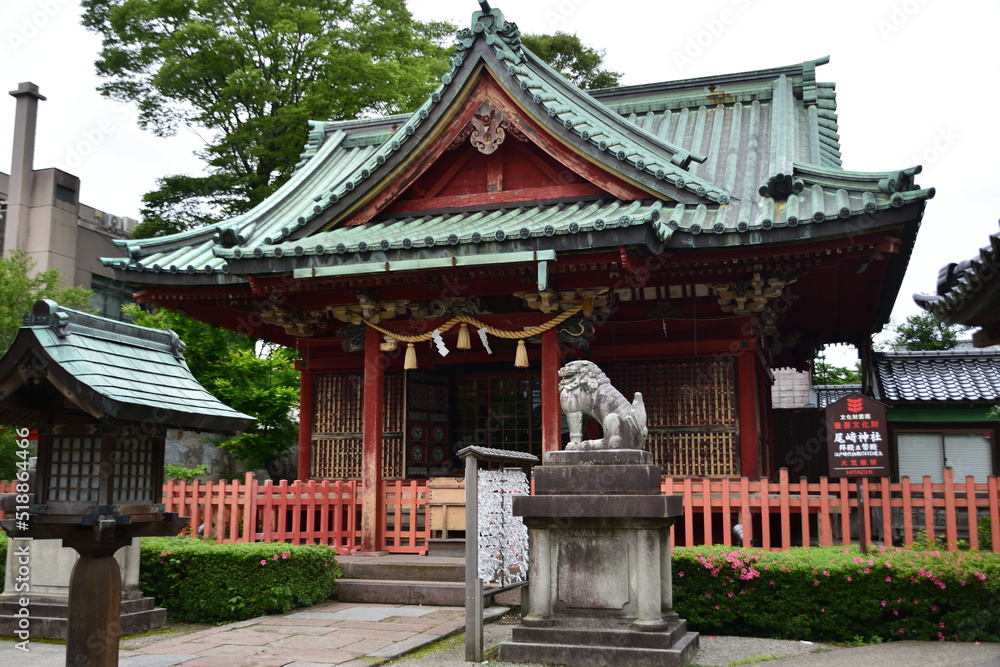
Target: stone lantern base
(49, 567)
(600, 589)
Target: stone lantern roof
(105, 370)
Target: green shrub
(182, 473)
(985, 534)
(836, 594)
(202, 581)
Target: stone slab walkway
(340, 633)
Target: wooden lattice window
(74, 469)
(691, 412)
(338, 422)
(503, 412)
(135, 461)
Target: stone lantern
(101, 395)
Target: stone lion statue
(584, 389)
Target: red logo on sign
(854, 404)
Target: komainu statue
(584, 389)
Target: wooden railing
(326, 512)
(773, 515)
(783, 514)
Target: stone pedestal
(600, 588)
(48, 585)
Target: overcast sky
(917, 83)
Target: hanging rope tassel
(410, 362)
(463, 337)
(521, 358)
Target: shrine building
(435, 269)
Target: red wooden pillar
(747, 388)
(371, 450)
(306, 411)
(551, 411)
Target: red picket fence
(783, 514)
(774, 515)
(326, 512)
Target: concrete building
(41, 214)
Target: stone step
(603, 637)
(57, 627)
(437, 593)
(61, 609)
(585, 655)
(419, 568)
(454, 547)
(384, 591)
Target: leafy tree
(925, 332)
(19, 291)
(824, 373)
(8, 453)
(264, 385)
(579, 63)
(252, 72)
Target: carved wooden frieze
(298, 323)
(487, 135)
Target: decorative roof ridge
(750, 75)
(683, 156)
(362, 122)
(937, 354)
(957, 280)
(627, 143)
(900, 180)
(64, 321)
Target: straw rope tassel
(410, 362)
(521, 358)
(463, 337)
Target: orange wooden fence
(782, 514)
(326, 512)
(774, 514)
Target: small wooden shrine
(101, 395)
(435, 269)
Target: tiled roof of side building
(705, 177)
(828, 394)
(950, 375)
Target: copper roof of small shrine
(743, 159)
(112, 370)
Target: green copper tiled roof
(468, 228)
(734, 155)
(125, 371)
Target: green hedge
(202, 581)
(836, 594)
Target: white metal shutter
(921, 454)
(968, 454)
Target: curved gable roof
(705, 182)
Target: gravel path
(713, 652)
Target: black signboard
(857, 437)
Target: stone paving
(340, 633)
